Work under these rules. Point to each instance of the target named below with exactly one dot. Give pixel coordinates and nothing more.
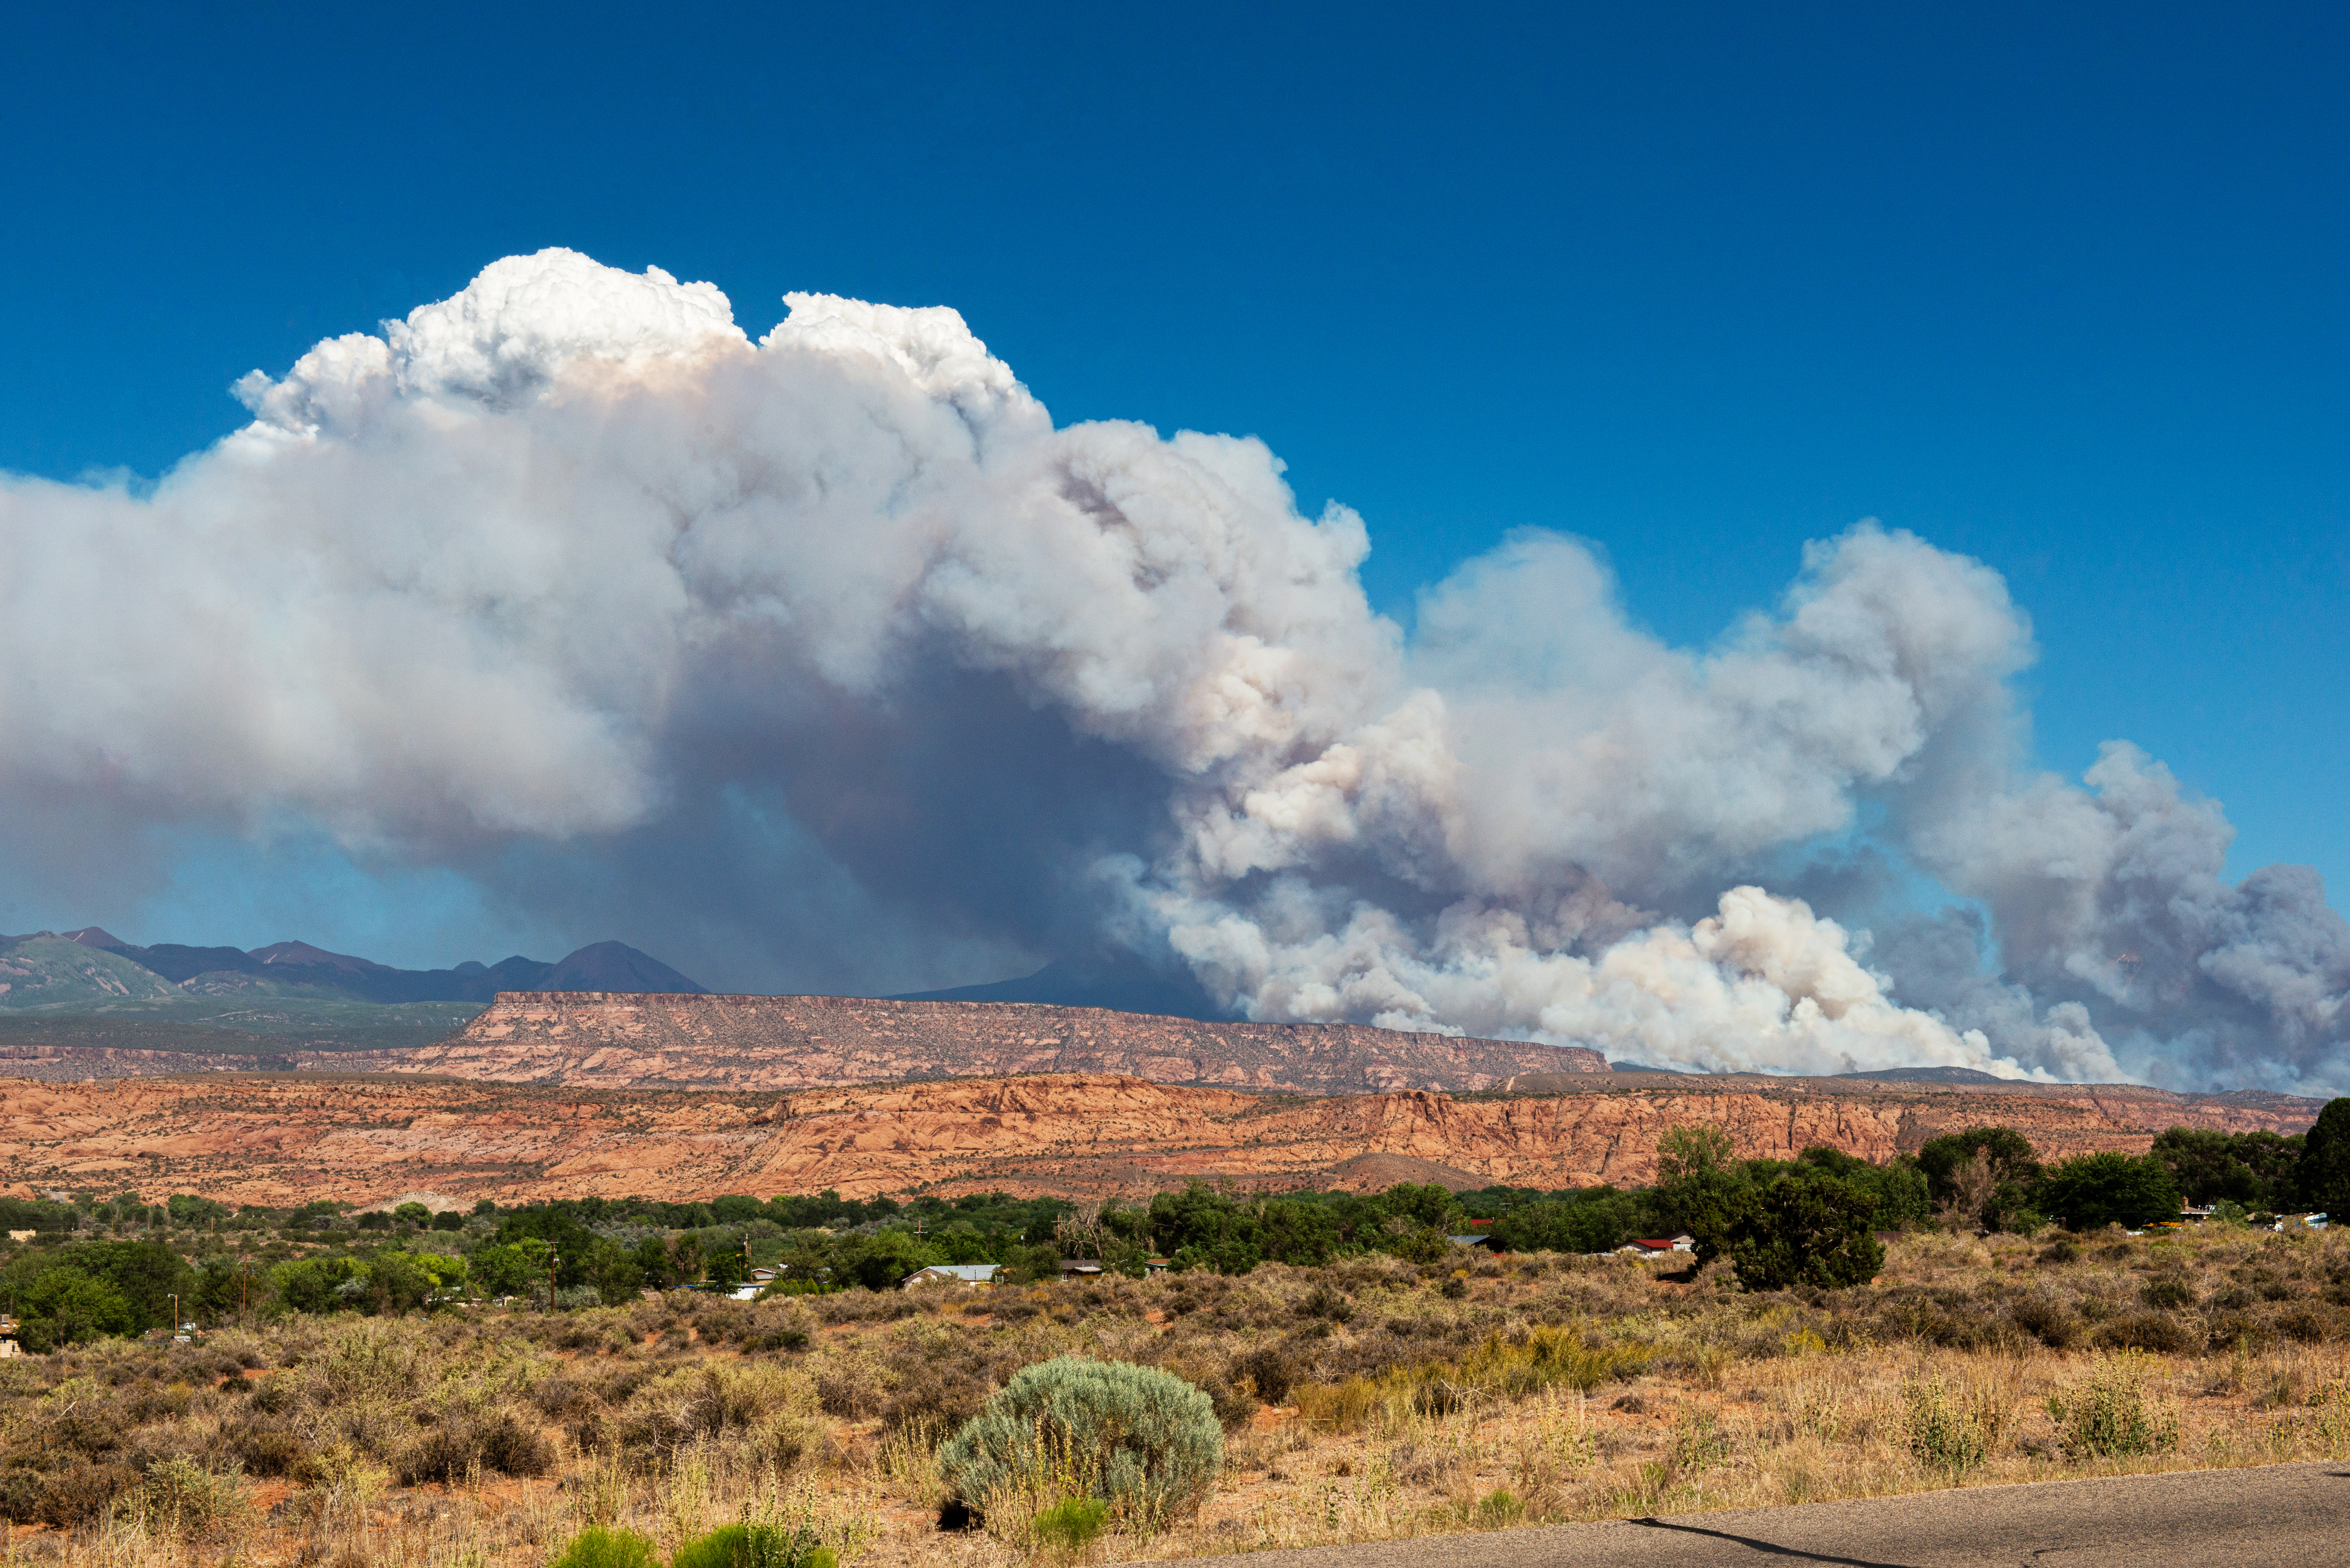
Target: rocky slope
(278, 1138)
(614, 1039)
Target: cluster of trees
(1201, 1227)
(187, 1211)
(74, 1282)
(1700, 1188)
(1809, 1221)
(1990, 1177)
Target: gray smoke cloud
(832, 644)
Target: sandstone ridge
(616, 1040)
(279, 1138)
(784, 1042)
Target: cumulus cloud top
(512, 331)
(568, 561)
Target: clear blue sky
(2060, 287)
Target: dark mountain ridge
(600, 966)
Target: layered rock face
(616, 1040)
(285, 1138)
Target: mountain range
(90, 967)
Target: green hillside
(58, 1031)
(58, 992)
(48, 974)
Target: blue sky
(2058, 286)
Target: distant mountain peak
(1929, 1076)
(599, 966)
(303, 953)
(615, 966)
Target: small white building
(972, 1274)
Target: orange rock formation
(282, 1138)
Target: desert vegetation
(1396, 1384)
(1372, 1397)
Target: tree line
(99, 1267)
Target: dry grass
(1550, 1390)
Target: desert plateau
(272, 1138)
(633, 1040)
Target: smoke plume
(833, 639)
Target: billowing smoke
(833, 637)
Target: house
(1661, 1247)
(1154, 1267)
(1072, 1268)
(966, 1274)
(1487, 1242)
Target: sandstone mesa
(280, 1138)
(633, 1040)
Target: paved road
(2278, 1514)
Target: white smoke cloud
(567, 563)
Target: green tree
(2097, 1189)
(1693, 1150)
(316, 1285)
(2320, 1178)
(2254, 1170)
(1599, 1219)
(653, 1265)
(1703, 1203)
(1202, 1228)
(1899, 1188)
(879, 1261)
(398, 1282)
(1303, 1235)
(145, 1273)
(1808, 1228)
(1425, 1206)
(187, 1209)
(516, 1268)
(963, 1243)
(63, 1305)
(726, 1269)
(1026, 1265)
(226, 1287)
(613, 1271)
(1983, 1177)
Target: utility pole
(244, 1289)
(550, 1283)
(175, 1315)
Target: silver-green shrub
(1143, 1440)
